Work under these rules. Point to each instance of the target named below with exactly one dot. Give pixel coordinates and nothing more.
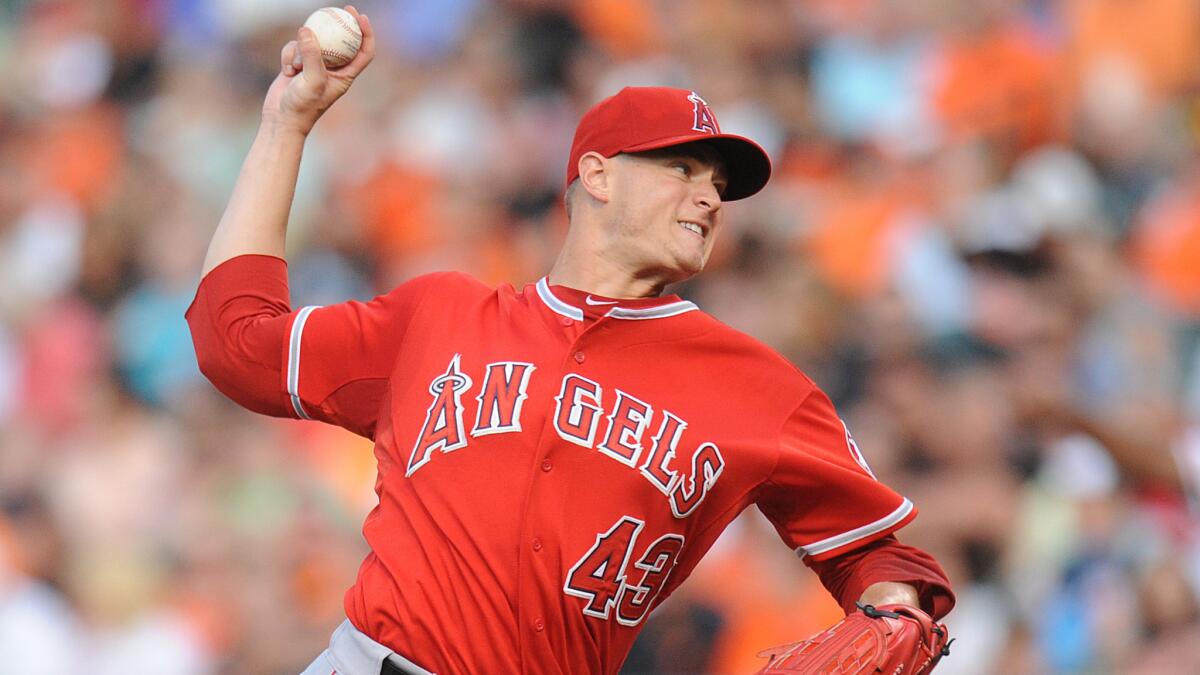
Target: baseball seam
(354, 30)
(340, 56)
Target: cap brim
(747, 164)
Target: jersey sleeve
(339, 358)
(848, 576)
(239, 321)
(821, 496)
(322, 363)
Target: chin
(681, 266)
(697, 266)
(686, 271)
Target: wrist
(891, 593)
(275, 126)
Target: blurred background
(982, 238)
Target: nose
(707, 197)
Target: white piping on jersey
(560, 307)
(293, 372)
(867, 530)
(652, 312)
(571, 312)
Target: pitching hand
(305, 88)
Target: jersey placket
(536, 551)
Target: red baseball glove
(891, 639)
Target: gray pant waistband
(352, 651)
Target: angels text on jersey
(614, 423)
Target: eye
(682, 167)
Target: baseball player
(552, 460)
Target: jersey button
(539, 625)
(547, 465)
(537, 544)
(566, 321)
(578, 357)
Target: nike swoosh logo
(590, 301)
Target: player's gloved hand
(891, 639)
(305, 88)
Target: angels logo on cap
(704, 118)
(637, 119)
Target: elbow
(239, 376)
(212, 355)
(238, 324)
(217, 367)
(253, 391)
(209, 364)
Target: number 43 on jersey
(601, 575)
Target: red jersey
(551, 464)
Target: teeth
(692, 227)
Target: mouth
(693, 226)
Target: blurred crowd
(982, 238)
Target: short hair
(569, 196)
(700, 150)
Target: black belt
(389, 668)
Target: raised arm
(255, 220)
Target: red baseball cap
(636, 119)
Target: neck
(586, 266)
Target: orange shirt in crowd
(1165, 247)
(1157, 39)
(1002, 85)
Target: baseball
(338, 34)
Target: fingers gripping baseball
(305, 87)
(289, 59)
(312, 78)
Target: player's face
(668, 208)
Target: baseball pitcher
(554, 460)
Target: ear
(595, 174)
